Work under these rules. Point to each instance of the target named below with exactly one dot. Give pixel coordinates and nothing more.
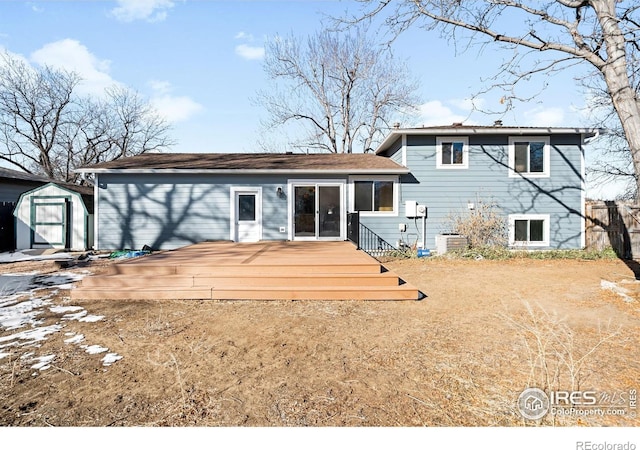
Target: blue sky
(200, 62)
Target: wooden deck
(260, 271)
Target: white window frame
(546, 154)
(546, 228)
(396, 194)
(452, 139)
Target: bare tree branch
(342, 88)
(602, 35)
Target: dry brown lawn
(460, 357)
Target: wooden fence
(614, 224)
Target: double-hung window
(452, 152)
(529, 230)
(374, 195)
(529, 156)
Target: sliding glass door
(318, 211)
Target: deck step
(402, 292)
(224, 280)
(240, 269)
(259, 271)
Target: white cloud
(71, 55)
(243, 35)
(149, 10)
(249, 52)
(173, 108)
(435, 113)
(545, 117)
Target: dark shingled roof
(249, 162)
(22, 176)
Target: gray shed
(53, 216)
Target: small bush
(484, 226)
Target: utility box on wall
(413, 209)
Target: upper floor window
(452, 153)
(529, 156)
(374, 195)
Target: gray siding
(11, 190)
(394, 152)
(447, 192)
(166, 211)
(169, 211)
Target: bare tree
(33, 107)
(600, 34)
(342, 87)
(45, 128)
(122, 124)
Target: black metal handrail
(373, 244)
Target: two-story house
(535, 176)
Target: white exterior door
(246, 214)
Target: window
(374, 196)
(247, 207)
(529, 230)
(529, 156)
(452, 153)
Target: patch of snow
(18, 315)
(64, 309)
(29, 337)
(43, 362)
(60, 280)
(91, 318)
(76, 316)
(75, 340)
(18, 256)
(22, 308)
(110, 358)
(94, 349)
(621, 291)
(11, 284)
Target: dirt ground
(460, 357)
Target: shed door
(49, 223)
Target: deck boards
(257, 271)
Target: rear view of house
(406, 192)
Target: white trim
(452, 139)
(583, 200)
(526, 244)
(404, 150)
(292, 183)
(546, 173)
(234, 190)
(96, 212)
(396, 195)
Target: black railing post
(353, 228)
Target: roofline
(398, 171)
(471, 130)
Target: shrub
(484, 226)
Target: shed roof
(248, 163)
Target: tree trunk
(623, 96)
